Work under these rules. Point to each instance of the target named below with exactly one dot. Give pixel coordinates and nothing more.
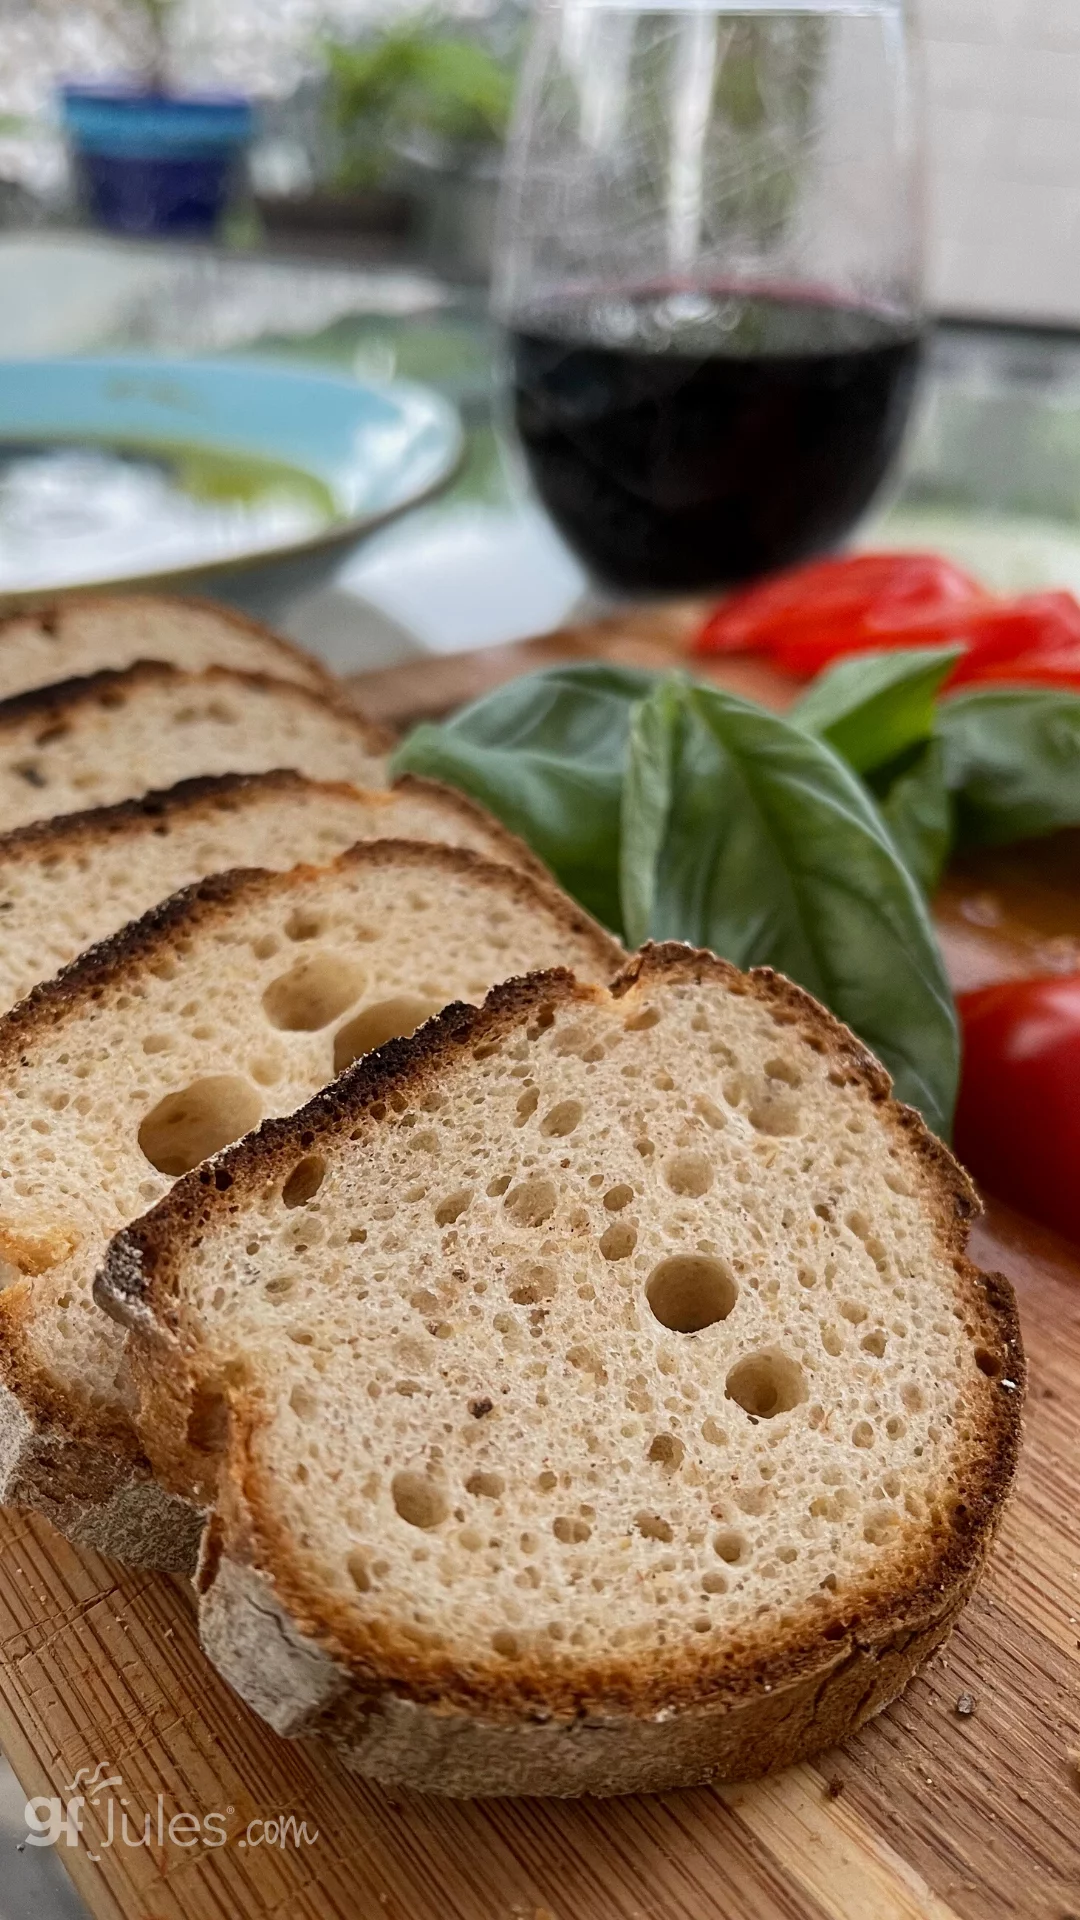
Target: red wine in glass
(689, 439)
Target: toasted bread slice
(113, 736)
(634, 1415)
(233, 1000)
(84, 633)
(67, 883)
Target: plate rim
(342, 532)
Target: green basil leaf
(875, 706)
(1012, 762)
(546, 755)
(918, 812)
(646, 803)
(777, 855)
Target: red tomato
(1018, 1119)
(1036, 637)
(837, 606)
(805, 619)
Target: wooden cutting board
(961, 1802)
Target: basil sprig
(679, 812)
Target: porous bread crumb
(84, 633)
(67, 883)
(231, 1003)
(120, 734)
(768, 1405)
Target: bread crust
(108, 686)
(299, 667)
(68, 1456)
(202, 795)
(410, 1714)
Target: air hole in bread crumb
(689, 1174)
(303, 1403)
(668, 1451)
(733, 1548)
(862, 1435)
(505, 1643)
(880, 1526)
(304, 924)
(497, 1187)
(987, 1362)
(531, 1203)
(853, 1311)
(385, 1020)
(618, 1242)
(641, 1022)
(452, 1207)
(785, 1070)
(419, 1501)
(767, 1383)
(689, 1291)
(714, 1583)
(486, 1486)
(313, 992)
(304, 1181)
(652, 1527)
(777, 1115)
(532, 1284)
(187, 1127)
(571, 1531)
(875, 1343)
(563, 1119)
(527, 1104)
(912, 1396)
(357, 1567)
(617, 1198)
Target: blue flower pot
(151, 163)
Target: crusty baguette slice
(86, 632)
(634, 1415)
(233, 1000)
(69, 882)
(112, 736)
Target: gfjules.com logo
(53, 1821)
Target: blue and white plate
(250, 480)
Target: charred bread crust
(209, 795)
(105, 966)
(108, 967)
(51, 612)
(913, 1595)
(110, 686)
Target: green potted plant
(149, 158)
(412, 127)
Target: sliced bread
(86, 632)
(233, 1000)
(67, 883)
(113, 736)
(594, 1392)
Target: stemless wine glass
(709, 267)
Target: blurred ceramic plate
(252, 480)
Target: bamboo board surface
(928, 1814)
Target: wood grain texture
(928, 1814)
(651, 638)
